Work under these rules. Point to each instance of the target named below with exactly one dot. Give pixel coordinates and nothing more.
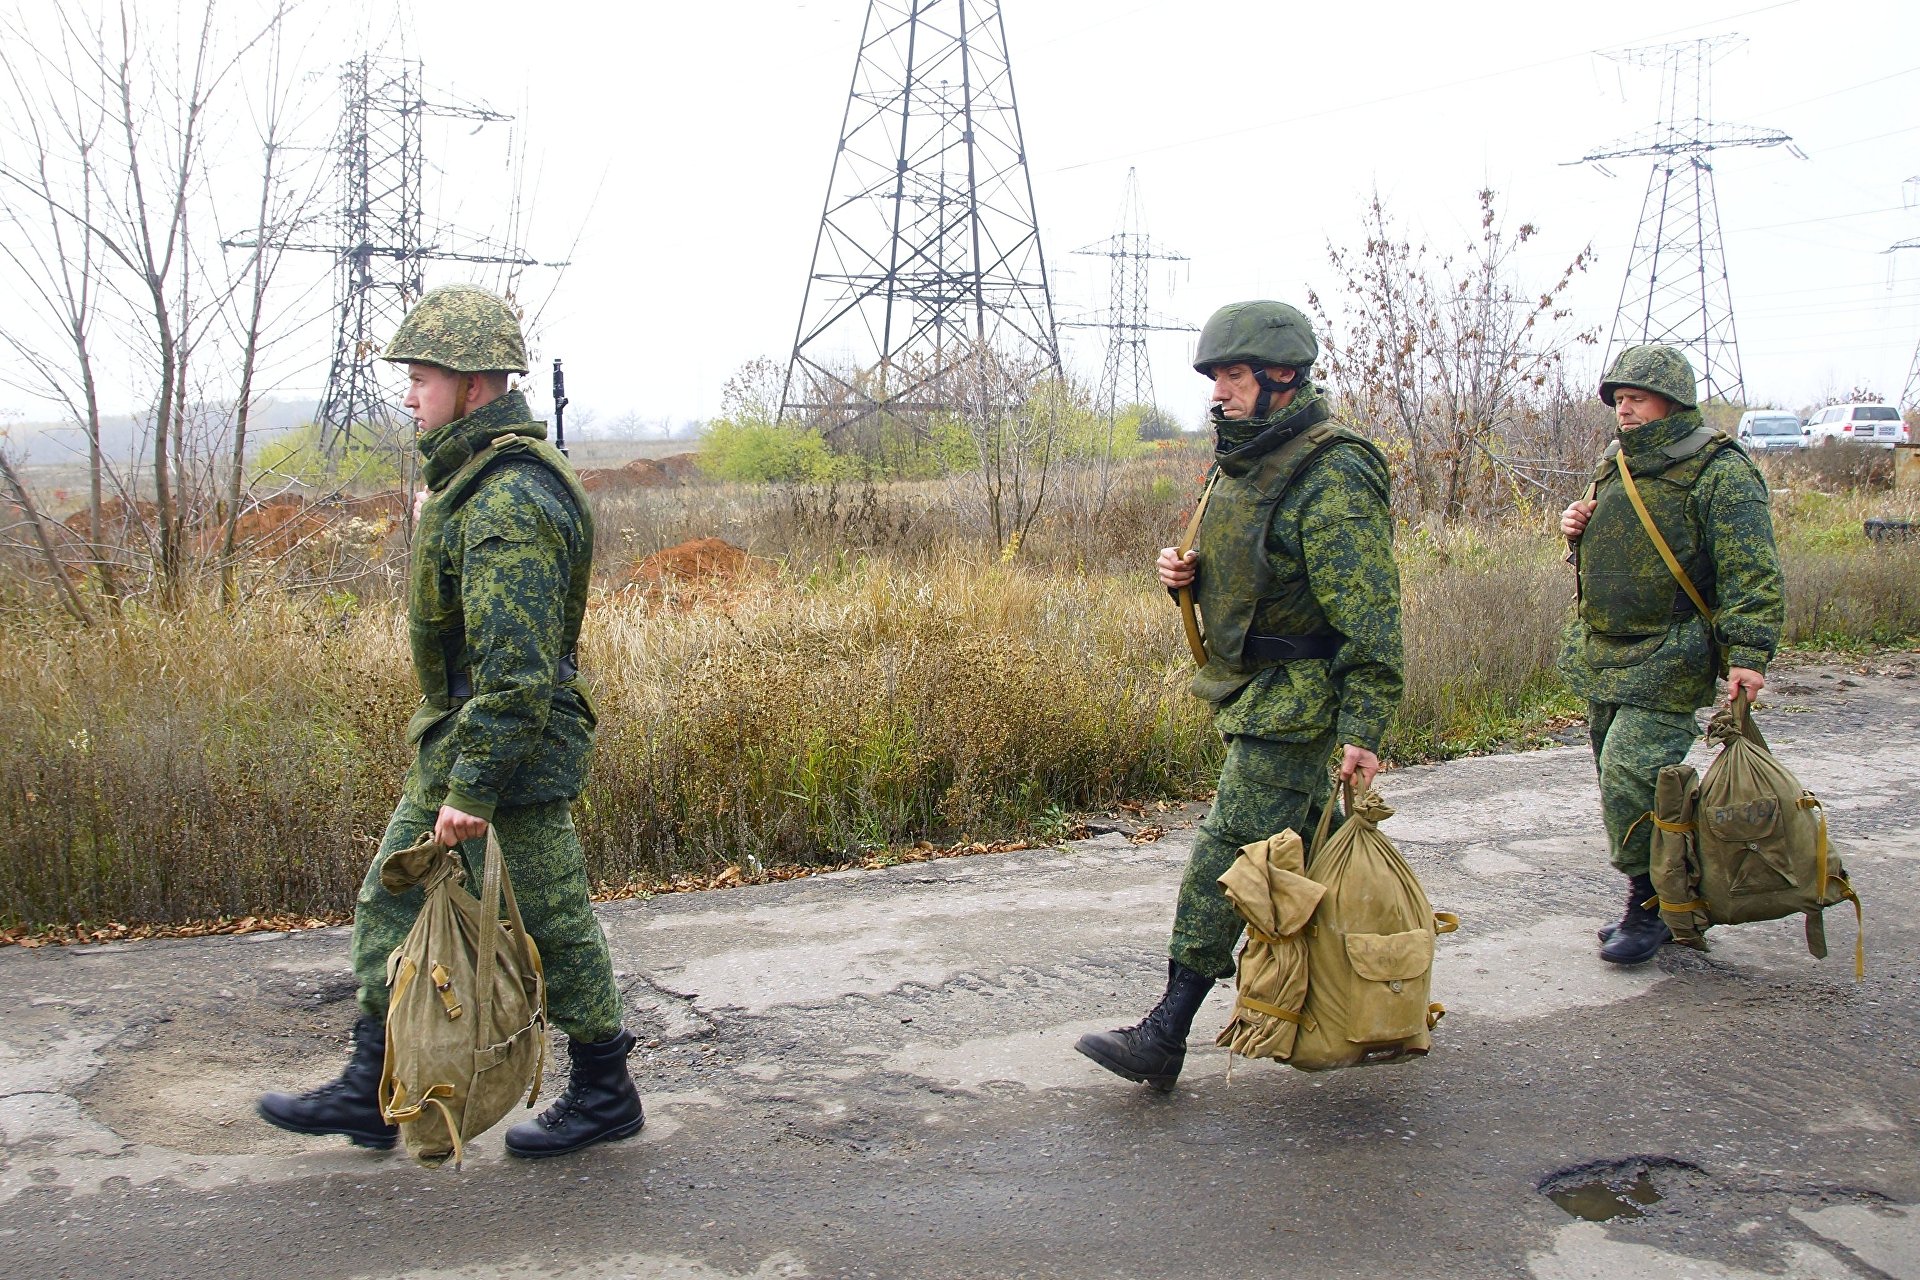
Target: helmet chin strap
(460, 395)
(1270, 387)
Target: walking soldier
(1676, 520)
(504, 730)
(1293, 572)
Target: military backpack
(1337, 969)
(467, 1005)
(1745, 842)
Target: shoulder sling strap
(1660, 543)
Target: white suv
(1879, 424)
(1767, 430)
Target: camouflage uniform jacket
(1636, 638)
(1327, 546)
(500, 567)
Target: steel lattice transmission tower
(927, 267)
(1910, 393)
(380, 244)
(1128, 320)
(1676, 289)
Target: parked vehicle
(1877, 424)
(1771, 430)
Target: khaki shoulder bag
(467, 1004)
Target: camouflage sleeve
(1751, 609)
(515, 563)
(1346, 539)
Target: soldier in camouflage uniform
(1293, 571)
(1638, 649)
(504, 731)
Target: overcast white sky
(688, 147)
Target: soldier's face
(1236, 391)
(1635, 408)
(432, 395)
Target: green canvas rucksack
(1745, 842)
(1364, 939)
(467, 1005)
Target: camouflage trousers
(1630, 746)
(1265, 788)
(549, 881)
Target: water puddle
(1603, 1198)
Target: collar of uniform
(1641, 443)
(449, 448)
(1238, 445)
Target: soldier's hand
(1358, 765)
(453, 826)
(1573, 521)
(1175, 570)
(1744, 679)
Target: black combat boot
(1152, 1052)
(349, 1106)
(1641, 932)
(599, 1103)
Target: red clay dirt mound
(700, 569)
(641, 473)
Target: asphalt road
(871, 1074)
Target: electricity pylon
(927, 281)
(1128, 319)
(1676, 290)
(380, 245)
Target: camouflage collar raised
(1644, 441)
(1239, 445)
(447, 449)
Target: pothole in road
(1607, 1189)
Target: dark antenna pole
(560, 408)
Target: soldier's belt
(1268, 649)
(460, 683)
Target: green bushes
(754, 452)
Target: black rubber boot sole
(376, 1141)
(610, 1135)
(1089, 1047)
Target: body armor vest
(1240, 591)
(436, 622)
(1626, 589)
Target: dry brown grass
(884, 679)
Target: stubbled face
(1236, 391)
(432, 393)
(1636, 408)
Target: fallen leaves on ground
(735, 877)
(115, 931)
(730, 877)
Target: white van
(1768, 430)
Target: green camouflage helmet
(1256, 333)
(1661, 370)
(460, 327)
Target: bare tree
(1449, 356)
(55, 257)
(139, 122)
(278, 213)
(1012, 417)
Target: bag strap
(1660, 543)
(1816, 924)
(1195, 645)
(1326, 818)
